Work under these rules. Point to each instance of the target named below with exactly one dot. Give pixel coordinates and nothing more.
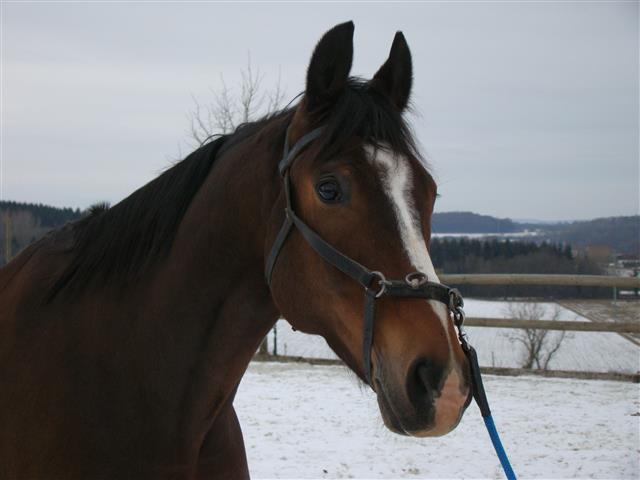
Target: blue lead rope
(497, 445)
(481, 399)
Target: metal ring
(455, 299)
(416, 279)
(382, 282)
(458, 317)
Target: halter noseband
(376, 285)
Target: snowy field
(580, 351)
(503, 236)
(304, 421)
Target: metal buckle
(382, 282)
(455, 305)
(416, 279)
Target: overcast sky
(524, 110)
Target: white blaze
(395, 174)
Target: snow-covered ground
(304, 421)
(580, 351)
(504, 236)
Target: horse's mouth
(403, 419)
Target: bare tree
(539, 345)
(230, 107)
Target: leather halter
(414, 285)
(376, 285)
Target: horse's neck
(210, 300)
(152, 366)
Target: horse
(124, 335)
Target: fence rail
(513, 372)
(538, 279)
(617, 327)
(628, 329)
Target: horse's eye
(329, 191)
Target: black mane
(120, 241)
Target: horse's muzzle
(429, 403)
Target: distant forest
(45, 215)
(27, 222)
(464, 255)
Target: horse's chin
(389, 418)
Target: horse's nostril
(423, 376)
(429, 375)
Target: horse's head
(361, 186)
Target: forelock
(365, 114)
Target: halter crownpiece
(376, 285)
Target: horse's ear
(330, 66)
(395, 77)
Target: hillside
(469, 222)
(622, 234)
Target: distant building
(628, 261)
